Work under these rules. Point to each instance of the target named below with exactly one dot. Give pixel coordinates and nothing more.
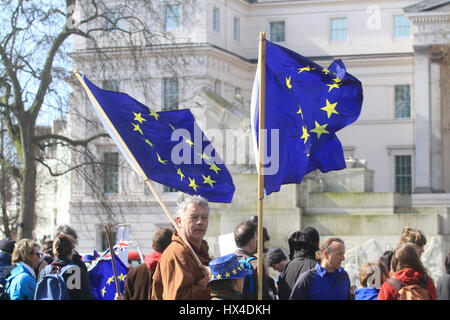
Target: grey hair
(184, 201)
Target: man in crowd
(327, 281)
(178, 276)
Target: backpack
(52, 286)
(412, 291)
(249, 287)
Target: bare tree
(35, 52)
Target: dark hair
(244, 232)
(300, 241)
(161, 239)
(48, 245)
(67, 230)
(274, 256)
(447, 263)
(63, 246)
(386, 259)
(405, 256)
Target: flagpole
(113, 256)
(262, 91)
(137, 166)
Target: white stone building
(403, 133)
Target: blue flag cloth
(305, 104)
(169, 146)
(101, 274)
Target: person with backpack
(21, 281)
(410, 280)
(63, 279)
(372, 275)
(245, 237)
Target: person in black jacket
(303, 246)
(443, 285)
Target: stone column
(436, 126)
(422, 119)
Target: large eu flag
(305, 104)
(101, 274)
(169, 146)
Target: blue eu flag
(101, 274)
(169, 146)
(305, 104)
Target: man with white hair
(178, 275)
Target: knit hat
(227, 267)
(275, 255)
(7, 245)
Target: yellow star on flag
(305, 134)
(288, 83)
(188, 141)
(307, 68)
(121, 277)
(300, 111)
(137, 128)
(154, 114)
(215, 168)
(103, 291)
(171, 126)
(319, 130)
(161, 160)
(192, 184)
(325, 70)
(337, 80)
(148, 142)
(330, 108)
(227, 275)
(334, 85)
(138, 117)
(180, 174)
(110, 280)
(204, 156)
(208, 180)
(219, 276)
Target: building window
(217, 87)
(237, 29)
(237, 91)
(277, 33)
(111, 85)
(216, 19)
(111, 172)
(167, 189)
(171, 17)
(104, 238)
(403, 101)
(403, 177)
(338, 29)
(402, 27)
(170, 94)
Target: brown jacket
(178, 276)
(138, 285)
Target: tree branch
(81, 142)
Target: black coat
(301, 262)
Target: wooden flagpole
(136, 164)
(261, 99)
(113, 257)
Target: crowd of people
(177, 270)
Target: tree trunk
(27, 215)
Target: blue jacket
(20, 285)
(318, 284)
(368, 293)
(5, 261)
